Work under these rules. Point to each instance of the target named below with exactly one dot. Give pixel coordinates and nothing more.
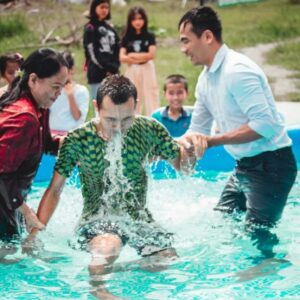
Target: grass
(288, 56)
(244, 25)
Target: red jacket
(24, 136)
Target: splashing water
(216, 259)
(116, 184)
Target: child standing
(101, 45)
(175, 117)
(9, 66)
(138, 49)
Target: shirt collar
(164, 113)
(218, 59)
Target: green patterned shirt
(103, 192)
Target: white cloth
(61, 118)
(234, 92)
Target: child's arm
(143, 57)
(125, 58)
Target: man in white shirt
(234, 91)
(71, 107)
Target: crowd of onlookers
(104, 52)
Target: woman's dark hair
(129, 31)
(69, 57)
(9, 57)
(201, 19)
(44, 63)
(118, 88)
(92, 15)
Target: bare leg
(159, 261)
(105, 249)
(266, 267)
(155, 262)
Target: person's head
(69, 57)
(100, 10)
(137, 20)
(10, 65)
(175, 90)
(115, 104)
(44, 73)
(200, 34)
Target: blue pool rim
(215, 159)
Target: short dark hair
(201, 19)
(176, 78)
(94, 4)
(118, 87)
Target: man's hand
(194, 144)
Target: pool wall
(215, 159)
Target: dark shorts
(260, 186)
(145, 238)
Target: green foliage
(286, 55)
(243, 25)
(12, 25)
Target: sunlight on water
(217, 259)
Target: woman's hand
(31, 219)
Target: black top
(101, 45)
(138, 42)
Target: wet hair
(92, 15)
(129, 31)
(44, 62)
(118, 87)
(201, 19)
(69, 57)
(176, 78)
(9, 57)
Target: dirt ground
(281, 79)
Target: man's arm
(243, 134)
(50, 199)
(198, 142)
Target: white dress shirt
(235, 92)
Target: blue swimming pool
(217, 260)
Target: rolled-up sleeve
(247, 88)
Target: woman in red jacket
(25, 135)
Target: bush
(12, 25)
